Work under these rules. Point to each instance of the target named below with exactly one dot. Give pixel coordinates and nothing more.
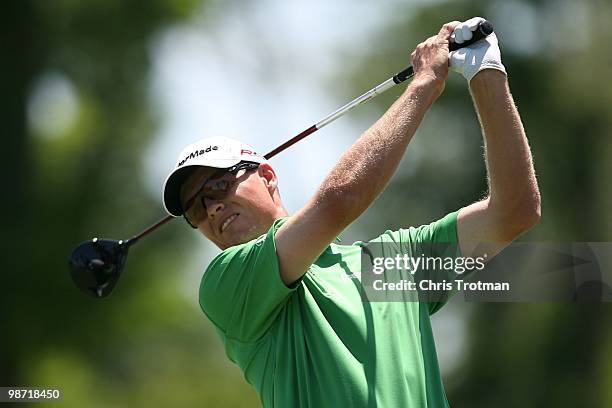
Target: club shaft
(377, 90)
(147, 231)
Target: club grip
(484, 29)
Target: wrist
(426, 88)
(488, 76)
(489, 88)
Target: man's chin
(236, 239)
(240, 232)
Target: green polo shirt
(317, 344)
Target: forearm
(364, 170)
(513, 189)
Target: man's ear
(267, 173)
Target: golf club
(96, 265)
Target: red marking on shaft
(291, 141)
(150, 229)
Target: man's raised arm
(513, 202)
(365, 168)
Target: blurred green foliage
(148, 346)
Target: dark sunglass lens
(216, 189)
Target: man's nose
(213, 206)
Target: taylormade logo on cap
(195, 154)
(209, 149)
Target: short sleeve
(242, 291)
(438, 238)
(435, 240)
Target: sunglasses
(216, 187)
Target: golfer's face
(244, 213)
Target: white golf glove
(483, 54)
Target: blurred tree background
(78, 120)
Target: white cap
(218, 152)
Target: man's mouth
(227, 222)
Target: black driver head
(96, 265)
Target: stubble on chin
(252, 232)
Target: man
(278, 294)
